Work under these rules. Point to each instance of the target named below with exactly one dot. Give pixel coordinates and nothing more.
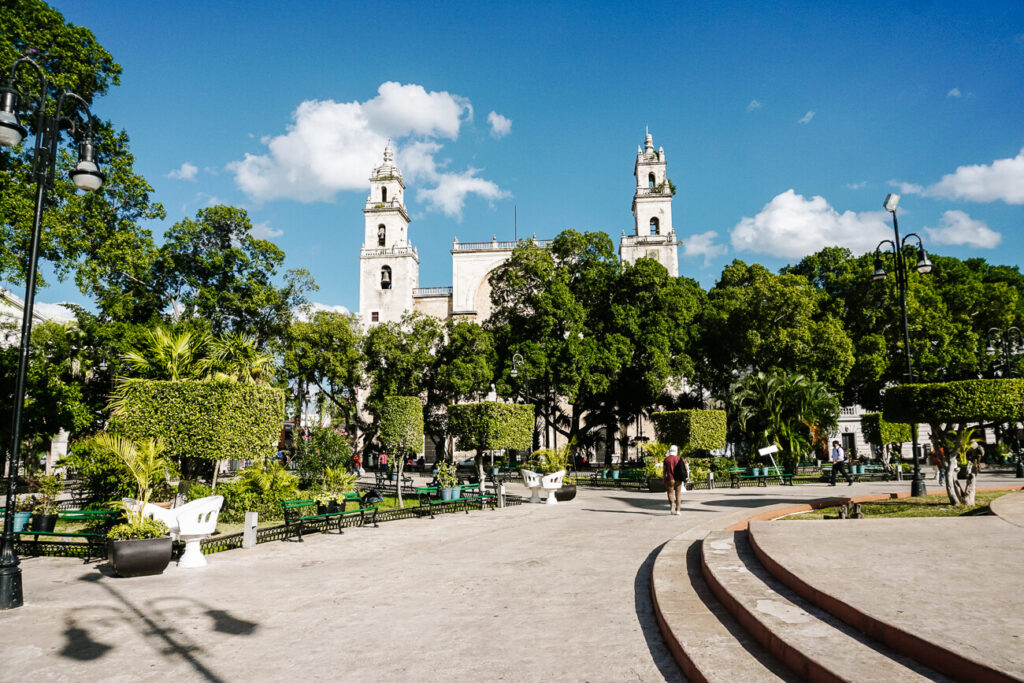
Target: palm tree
(236, 356)
(145, 460)
(168, 355)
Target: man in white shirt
(839, 463)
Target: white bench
(531, 480)
(196, 521)
(551, 483)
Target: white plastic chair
(196, 521)
(165, 515)
(551, 482)
(531, 480)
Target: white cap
(672, 450)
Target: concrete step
(705, 640)
(811, 642)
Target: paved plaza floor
(527, 593)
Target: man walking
(839, 463)
(673, 472)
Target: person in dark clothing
(839, 463)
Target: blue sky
(785, 125)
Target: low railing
(387, 251)
(432, 291)
(495, 245)
(631, 240)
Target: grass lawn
(935, 505)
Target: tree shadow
(156, 622)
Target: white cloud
(332, 146)
(187, 171)
(857, 186)
(306, 311)
(1003, 179)
(449, 196)
(954, 92)
(500, 126)
(263, 231)
(703, 244)
(907, 188)
(806, 118)
(792, 226)
(956, 227)
(55, 312)
(754, 104)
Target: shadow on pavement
(161, 619)
(648, 622)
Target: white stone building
(389, 264)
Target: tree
(755, 321)
(784, 409)
(96, 236)
(464, 368)
(950, 408)
(325, 352)
(489, 426)
(400, 359)
(213, 268)
(401, 431)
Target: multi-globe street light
(895, 248)
(1008, 343)
(86, 176)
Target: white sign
(768, 450)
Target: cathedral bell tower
(653, 236)
(389, 267)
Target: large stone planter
(139, 556)
(567, 492)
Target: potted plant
(22, 512)
(654, 469)
(447, 481)
(44, 512)
(334, 484)
(141, 546)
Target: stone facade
(389, 264)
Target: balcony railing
(387, 251)
(432, 291)
(494, 245)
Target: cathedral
(389, 265)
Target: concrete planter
(139, 556)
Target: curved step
(705, 640)
(811, 642)
(889, 609)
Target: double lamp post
(895, 248)
(50, 120)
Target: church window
(654, 226)
(385, 277)
(650, 181)
(375, 317)
(384, 194)
(382, 234)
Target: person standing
(839, 463)
(673, 473)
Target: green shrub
(320, 448)
(490, 426)
(147, 528)
(973, 400)
(198, 490)
(691, 430)
(212, 420)
(880, 432)
(103, 475)
(401, 425)
(258, 490)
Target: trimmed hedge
(880, 432)
(401, 424)
(965, 401)
(214, 420)
(691, 430)
(491, 426)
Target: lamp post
(86, 176)
(1008, 343)
(895, 248)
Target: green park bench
(430, 496)
(765, 475)
(303, 513)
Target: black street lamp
(895, 248)
(1008, 343)
(86, 176)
